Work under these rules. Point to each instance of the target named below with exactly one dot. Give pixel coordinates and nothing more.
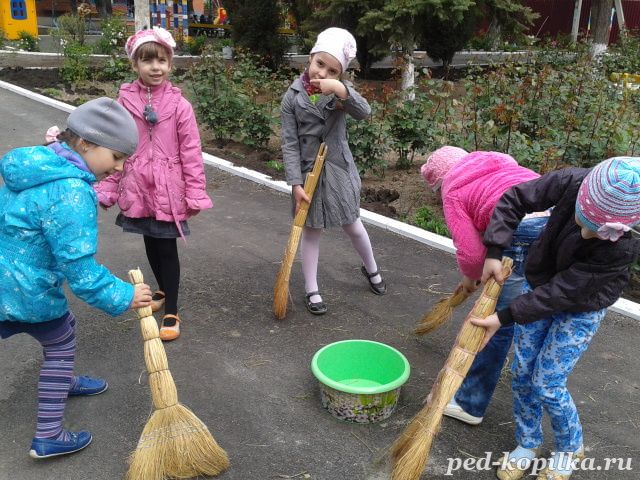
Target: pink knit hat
(155, 34)
(439, 163)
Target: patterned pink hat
(155, 34)
(608, 200)
(439, 163)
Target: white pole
(620, 15)
(576, 21)
(141, 9)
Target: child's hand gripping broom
(441, 312)
(410, 451)
(281, 288)
(174, 443)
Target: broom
(281, 288)
(174, 443)
(410, 452)
(441, 312)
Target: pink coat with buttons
(164, 178)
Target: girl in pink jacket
(471, 185)
(163, 182)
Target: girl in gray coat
(314, 110)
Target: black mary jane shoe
(316, 308)
(377, 288)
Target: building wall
(556, 17)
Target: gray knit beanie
(106, 123)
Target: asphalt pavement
(247, 375)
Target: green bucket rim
(387, 387)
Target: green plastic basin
(360, 367)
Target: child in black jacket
(575, 270)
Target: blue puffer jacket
(49, 233)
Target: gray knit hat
(105, 122)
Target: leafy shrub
(195, 45)
(75, 67)
(235, 101)
(71, 28)
(255, 24)
(407, 122)
(368, 143)
(427, 220)
(27, 41)
(114, 36)
(116, 69)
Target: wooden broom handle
(485, 305)
(310, 185)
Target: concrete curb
(622, 306)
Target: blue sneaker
(47, 447)
(88, 386)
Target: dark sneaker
(88, 386)
(46, 447)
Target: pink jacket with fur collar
(164, 178)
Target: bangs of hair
(151, 51)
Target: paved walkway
(247, 376)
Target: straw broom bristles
(281, 288)
(441, 312)
(410, 452)
(174, 442)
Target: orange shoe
(157, 300)
(170, 328)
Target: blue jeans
(477, 389)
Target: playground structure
(213, 20)
(18, 16)
(208, 17)
(170, 14)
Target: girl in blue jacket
(49, 234)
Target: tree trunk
(601, 21)
(104, 7)
(494, 34)
(408, 76)
(141, 12)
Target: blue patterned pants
(545, 353)
(477, 389)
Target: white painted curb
(622, 306)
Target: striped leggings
(56, 375)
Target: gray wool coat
(336, 201)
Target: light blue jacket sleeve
(70, 227)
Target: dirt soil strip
(622, 306)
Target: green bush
(114, 36)
(255, 24)
(75, 67)
(27, 41)
(116, 69)
(407, 122)
(195, 45)
(368, 142)
(71, 29)
(235, 101)
(427, 220)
